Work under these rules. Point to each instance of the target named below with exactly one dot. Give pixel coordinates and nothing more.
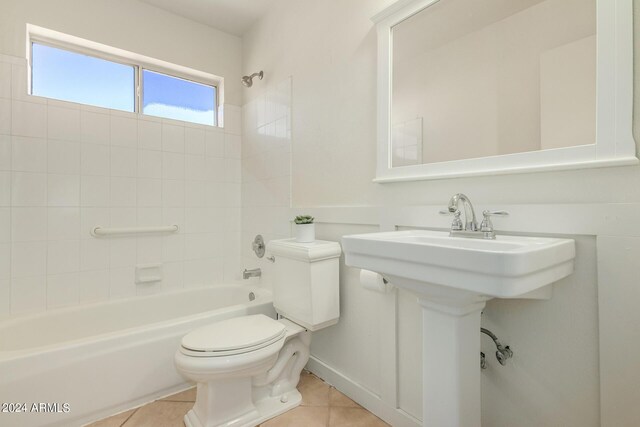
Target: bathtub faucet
(254, 272)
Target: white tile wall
(194, 140)
(28, 154)
(28, 119)
(65, 168)
(63, 123)
(63, 157)
(265, 170)
(5, 261)
(63, 289)
(5, 188)
(28, 189)
(5, 116)
(149, 135)
(5, 152)
(28, 294)
(124, 131)
(94, 128)
(172, 138)
(5, 80)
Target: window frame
(140, 92)
(55, 39)
(79, 50)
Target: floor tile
(160, 414)
(322, 406)
(315, 392)
(353, 417)
(183, 396)
(302, 416)
(115, 420)
(338, 399)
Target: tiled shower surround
(66, 168)
(266, 169)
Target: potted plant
(305, 229)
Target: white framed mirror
(503, 86)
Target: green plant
(303, 219)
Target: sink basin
(507, 267)
(454, 277)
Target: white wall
(329, 48)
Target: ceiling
(231, 16)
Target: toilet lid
(237, 333)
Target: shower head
(248, 80)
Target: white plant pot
(305, 233)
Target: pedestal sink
(453, 278)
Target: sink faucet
(254, 272)
(471, 224)
(470, 227)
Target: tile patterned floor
(322, 406)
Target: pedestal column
(451, 363)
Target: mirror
(484, 78)
(494, 86)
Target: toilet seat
(237, 335)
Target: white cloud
(180, 113)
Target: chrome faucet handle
(487, 225)
(456, 225)
(258, 246)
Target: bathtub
(85, 363)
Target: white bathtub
(104, 358)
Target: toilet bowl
(224, 358)
(247, 368)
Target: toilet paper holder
(375, 281)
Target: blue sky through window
(70, 76)
(179, 99)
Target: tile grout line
(11, 309)
(129, 417)
(328, 415)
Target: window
(176, 98)
(77, 70)
(70, 76)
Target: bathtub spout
(254, 272)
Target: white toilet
(247, 368)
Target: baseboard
(370, 401)
(127, 406)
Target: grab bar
(99, 231)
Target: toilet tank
(306, 283)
